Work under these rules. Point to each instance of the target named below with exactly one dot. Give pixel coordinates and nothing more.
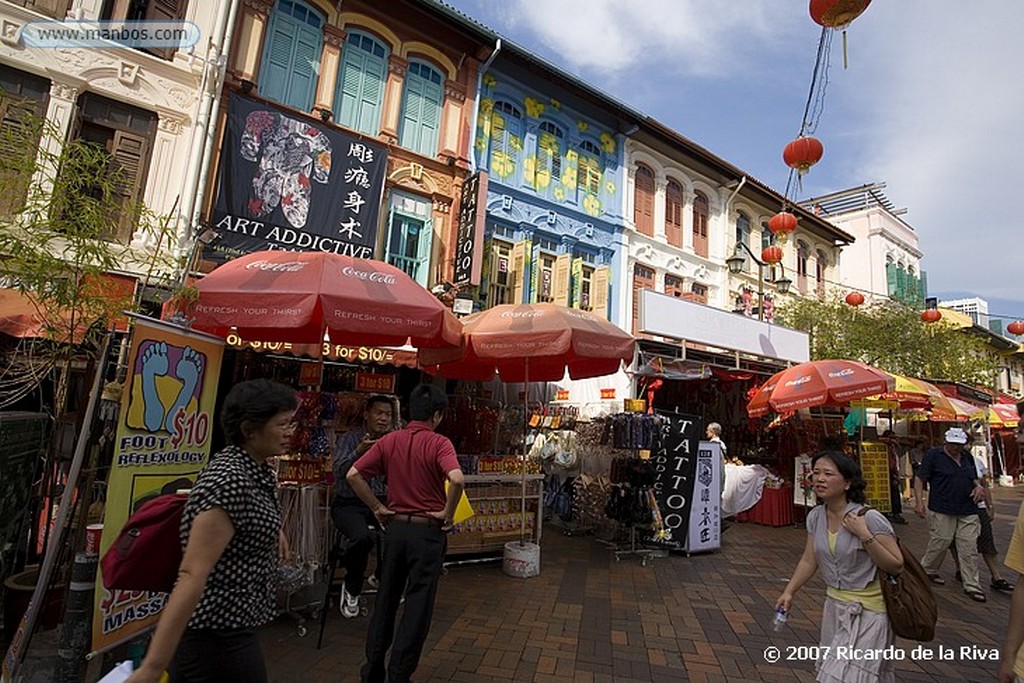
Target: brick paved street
(590, 618)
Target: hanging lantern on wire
(781, 225)
(837, 14)
(931, 315)
(803, 153)
(855, 299)
(1016, 328)
(772, 254)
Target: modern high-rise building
(975, 307)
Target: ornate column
(330, 62)
(251, 29)
(659, 208)
(393, 96)
(60, 112)
(452, 118)
(167, 163)
(688, 197)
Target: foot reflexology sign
(163, 442)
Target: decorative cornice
(455, 90)
(397, 65)
(63, 91)
(334, 36)
(171, 123)
(10, 32)
(261, 6)
(127, 73)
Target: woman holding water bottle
(849, 548)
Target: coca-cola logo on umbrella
(369, 275)
(286, 267)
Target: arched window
(361, 78)
(506, 139)
(742, 229)
(802, 254)
(421, 108)
(643, 201)
(701, 212)
(766, 235)
(820, 263)
(890, 275)
(589, 169)
(549, 157)
(674, 213)
(291, 54)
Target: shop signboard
(675, 464)
(469, 244)
(288, 182)
(874, 464)
(380, 355)
(705, 528)
(375, 383)
(163, 442)
(300, 470)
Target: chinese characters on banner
(288, 183)
(163, 442)
(874, 464)
(469, 244)
(704, 533)
(675, 464)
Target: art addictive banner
(675, 464)
(288, 183)
(163, 442)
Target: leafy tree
(892, 337)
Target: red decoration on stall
(781, 225)
(931, 315)
(772, 254)
(855, 299)
(803, 153)
(1016, 328)
(837, 13)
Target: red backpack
(147, 552)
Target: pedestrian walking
(1011, 667)
(954, 491)
(417, 463)
(350, 514)
(231, 530)
(849, 548)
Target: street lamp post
(735, 264)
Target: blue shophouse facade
(554, 227)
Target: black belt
(418, 519)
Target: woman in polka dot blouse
(231, 533)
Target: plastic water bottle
(780, 618)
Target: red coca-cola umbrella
(295, 297)
(819, 383)
(524, 342)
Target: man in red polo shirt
(417, 462)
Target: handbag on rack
(909, 600)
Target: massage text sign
(163, 442)
(874, 464)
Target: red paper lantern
(803, 153)
(855, 299)
(837, 13)
(772, 254)
(931, 315)
(1016, 328)
(781, 225)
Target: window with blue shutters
(361, 79)
(410, 235)
(421, 109)
(291, 55)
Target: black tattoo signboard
(286, 182)
(675, 464)
(470, 242)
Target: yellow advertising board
(163, 442)
(874, 463)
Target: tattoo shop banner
(288, 183)
(675, 464)
(163, 442)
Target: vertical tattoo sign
(675, 464)
(469, 243)
(287, 182)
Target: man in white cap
(954, 490)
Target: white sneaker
(349, 604)
(373, 582)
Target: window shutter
(890, 276)
(412, 112)
(561, 289)
(599, 290)
(577, 282)
(430, 118)
(533, 262)
(276, 70)
(519, 270)
(128, 159)
(164, 10)
(351, 85)
(901, 282)
(15, 163)
(375, 73)
(423, 255)
(305, 64)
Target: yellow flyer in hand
(463, 510)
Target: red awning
(21, 317)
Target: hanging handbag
(909, 600)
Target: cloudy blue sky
(931, 104)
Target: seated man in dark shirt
(350, 515)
